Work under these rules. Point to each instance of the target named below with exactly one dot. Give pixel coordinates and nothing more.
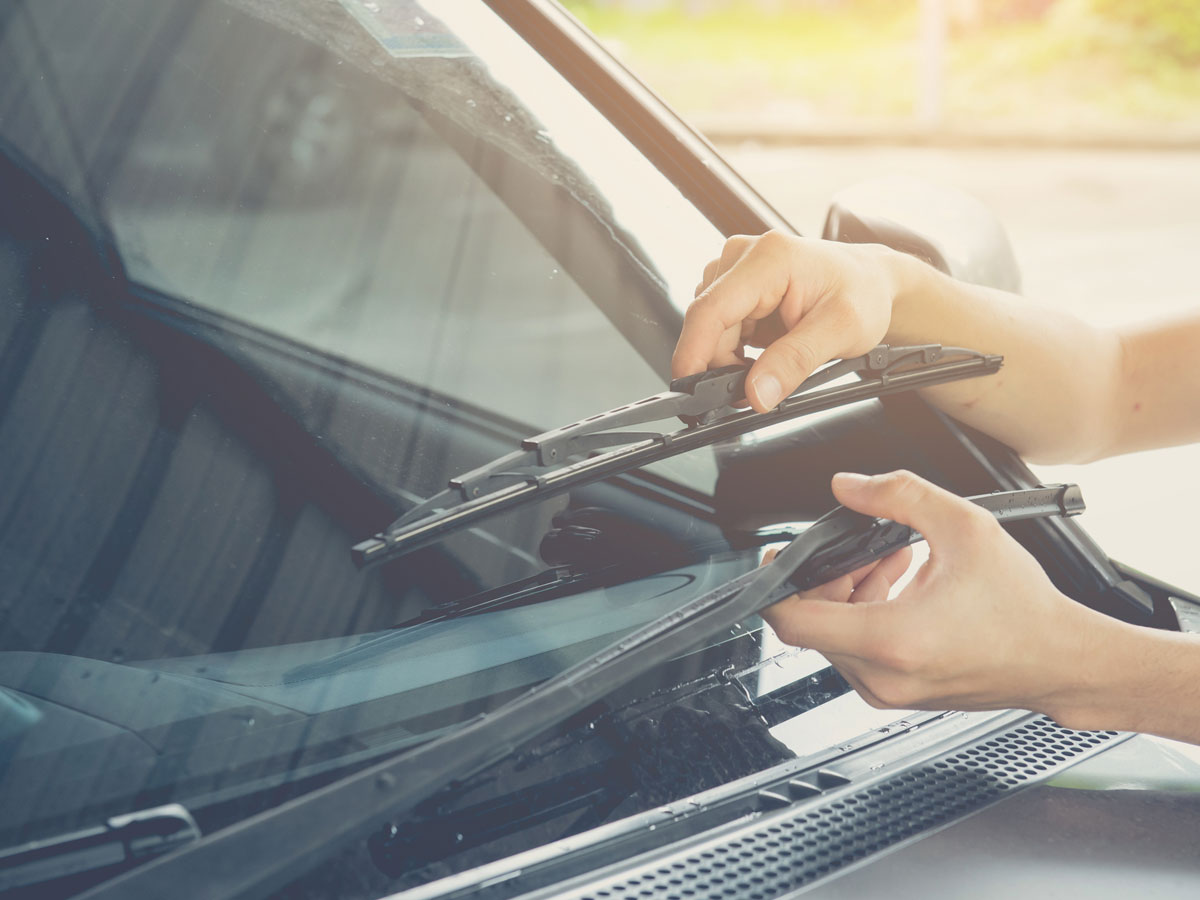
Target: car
(275, 275)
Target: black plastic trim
(795, 845)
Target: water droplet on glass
(507, 117)
(458, 838)
(543, 135)
(471, 103)
(418, 20)
(372, 7)
(249, 720)
(652, 827)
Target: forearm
(1069, 391)
(1129, 678)
(1157, 402)
(1053, 399)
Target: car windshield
(272, 274)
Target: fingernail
(849, 481)
(768, 390)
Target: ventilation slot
(791, 848)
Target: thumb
(792, 358)
(942, 518)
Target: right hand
(805, 301)
(980, 626)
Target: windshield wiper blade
(264, 853)
(102, 851)
(600, 446)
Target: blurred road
(1110, 236)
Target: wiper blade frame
(708, 403)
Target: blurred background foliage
(1171, 26)
(1113, 66)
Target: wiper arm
(102, 851)
(600, 446)
(263, 853)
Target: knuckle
(698, 311)
(774, 240)
(734, 249)
(976, 522)
(901, 484)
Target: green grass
(823, 66)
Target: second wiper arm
(576, 454)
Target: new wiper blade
(264, 853)
(600, 446)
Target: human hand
(805, 301)
(980, 626)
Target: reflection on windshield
(354, 261)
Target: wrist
(1096, 682)
(913, 290)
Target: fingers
(748, 283)
(942, 518)
(877, 583)
(823, 625)
(795, 356)
(873, 589)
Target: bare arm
(980, 626)
(1068, 390)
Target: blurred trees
(1102, 66)
(1172, 26)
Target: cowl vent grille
(794, 847)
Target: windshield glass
(273, 274)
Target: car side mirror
(945, 227)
